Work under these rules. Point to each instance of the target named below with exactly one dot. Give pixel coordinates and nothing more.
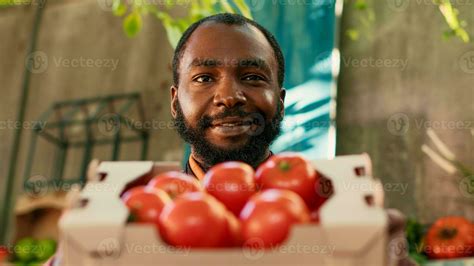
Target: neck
(205, 167)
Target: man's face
(228, 104)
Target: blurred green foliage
(366, 17)
(450, 14)
(415, 233)
(6, 3)
(134, 10)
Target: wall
(385, 109)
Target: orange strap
(197, 170)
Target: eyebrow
(240, 63)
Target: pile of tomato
(233, 205)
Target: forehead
(228, 42)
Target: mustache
(206, 121)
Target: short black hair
(229, 19)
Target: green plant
(366, 17)
(456, 26)
(415, 233)
(133, 12)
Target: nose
(229, 94)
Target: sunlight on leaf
(197, 9)
(119, 8)
(360, 4)
(450, 15)
(133, 24)
(366, 19)
(353, 34)
(7, 3)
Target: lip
(230, 130)
(232, 122)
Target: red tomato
(289, 171)
(175, 183)
(145, 203)
(234, 239)
(232, 183)
(268, 216)
(194, 219)
(450, 237)
(3, 254)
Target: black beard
(253, 152)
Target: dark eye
(203, 79)
(253, 77)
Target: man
(228, 96)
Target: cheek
(268, 102)
(191, 109)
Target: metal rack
(102, 120)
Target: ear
(282, 100)
(174, 100)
